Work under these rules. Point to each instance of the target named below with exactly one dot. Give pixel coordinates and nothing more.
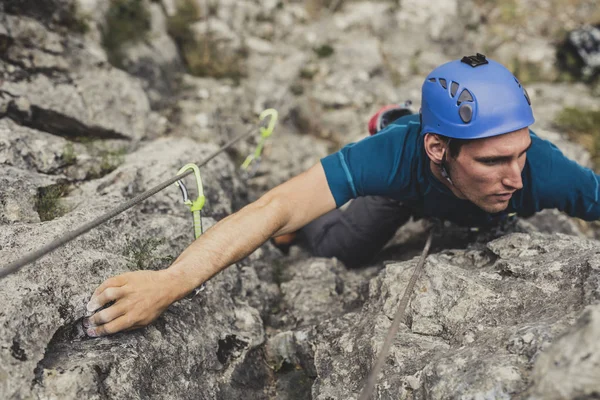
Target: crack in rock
(57, 124)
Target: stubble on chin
(494, 208)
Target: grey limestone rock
(45, 354)
(476, 325)
(515, 317)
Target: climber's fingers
(114, 326)
(105, 316)
(107, 295)
(143, 296)
(115, 281)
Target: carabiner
(265, 133)
(195, 205)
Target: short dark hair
(455, 144)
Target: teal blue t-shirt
(393, 163)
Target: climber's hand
(139, 298)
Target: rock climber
(468, 157)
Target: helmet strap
(445, 172)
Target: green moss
(48, 201)
(108, 159)
(111, 160)
(508, 11)
(308, 73)
(318, 8)
(583, 127)
(68, 156)
(297, 89)
(203, 56)
(178, 25)
(324, 51)
(143, 253)
(526, 71)
(127, 21)
(75, 21)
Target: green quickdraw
(254, 158)
(195, 205)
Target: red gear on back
(378, 122)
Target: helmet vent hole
(432, 80)
(443, 83)
(466, 113)
(453, 89)
(465, 95)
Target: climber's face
(487, 171)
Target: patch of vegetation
(297, 89)
(509, 11)
(68, 156)
(203, 56)
(127, 21)
(143, 253)
(315, 8)
(525, 71)
(48, 201)
(110, 159)
(178, 25)
(76, 21)
(324, 51)
(309, 72)
(583, 127)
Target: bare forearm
(140, 297)
(230, 240)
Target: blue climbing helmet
(474, 98)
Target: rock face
(480, 321)
(494, 315)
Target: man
(469, 157)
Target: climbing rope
(37, 254)
(399, 317)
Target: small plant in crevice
(74, 20)
(108, 160)
(324, 51)
(68, 156)
(583, 127)
(203, 54)
(111, 160)
(318, 8)
(127, 21)
(48, 202)
(143, 253)
(526, 71)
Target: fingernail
(92, 305)
(88, 324)
(91, 332)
